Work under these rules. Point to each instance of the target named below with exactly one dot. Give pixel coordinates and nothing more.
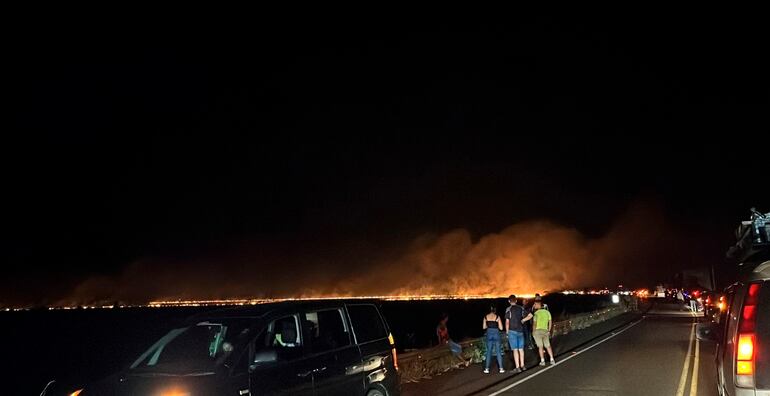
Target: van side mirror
(707, 331)
(262, 358)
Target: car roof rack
(752, 240)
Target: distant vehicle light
(76, 393)
(615, 299)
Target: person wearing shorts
(542, 332)
(442, 332)
(515, 316)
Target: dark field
(84, 345)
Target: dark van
(743, 351)
(330, 347)
(743, 330)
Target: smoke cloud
(527, 257)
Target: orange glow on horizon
(257, 301)
(196, 303)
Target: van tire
(375, 392)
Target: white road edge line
(565, 359)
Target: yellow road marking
(694, 381)
(686, 368)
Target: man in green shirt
(542, 331)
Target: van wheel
(375, 392)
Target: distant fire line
(195, 303)
(257, 301)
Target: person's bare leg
(540, 351)
(516, 358)
(550, 352)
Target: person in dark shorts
(515, 317)
(442, 332)
(492, 325)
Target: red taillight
(748, 314)
(393, 350)
(744, 354)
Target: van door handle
(305, 374)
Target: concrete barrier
(426, 363)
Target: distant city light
(257, 301)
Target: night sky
(289, 145)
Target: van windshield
(193, 348)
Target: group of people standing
(516, 318)
(515, 326)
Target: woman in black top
(493, 326)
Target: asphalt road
(654, 355)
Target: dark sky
(131, 141)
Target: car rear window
(762, 376)
(367, 323)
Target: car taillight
(393, 350)
(744, 355)
(746, 347)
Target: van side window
(736, 301)
(326, 329)
(367, 323)
(283, 336)
(285, 333)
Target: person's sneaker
(486, 371)
(523, 368)
(517, 370)
(502, 370)
(542, 362)
(553, 361)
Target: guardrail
(426, 363)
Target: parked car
(328, 347)
(710, 301)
